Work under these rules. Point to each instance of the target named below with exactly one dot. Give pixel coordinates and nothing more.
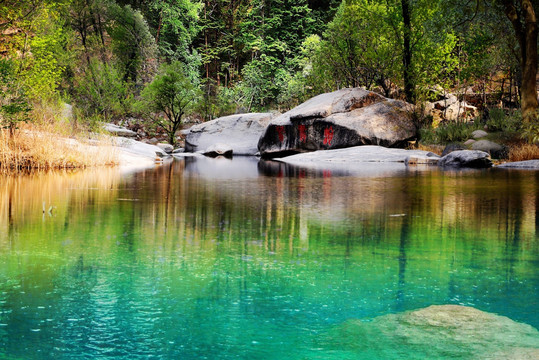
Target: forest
(168, 62)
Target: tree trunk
(524, 23)
(409, 90)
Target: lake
(219, 259)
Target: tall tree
(521, 13)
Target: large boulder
(466, 158)
(240, 132)
(344, 118)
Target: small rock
(466, 158)
(495, 150)
(452, 147)
(219, 149)
(153, 141)
(478, 134)
(166, 147)
(178, 151)
(469, 142)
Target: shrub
(447, 133)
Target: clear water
(213, 259)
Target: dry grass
(44, 147)
(436, 149)
(523, 151)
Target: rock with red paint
(240, 132)
(344, 118)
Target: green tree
(169, 97)
(132, 43)
(14, 105)
(522, 16)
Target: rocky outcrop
(466, 158)
(341, 119)
(240, 132)
(436, 332)
(451, 109)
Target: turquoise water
(218, 259)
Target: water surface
(219, 259)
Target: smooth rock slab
(466, 158)
(240, 132)
(341, 119)
(356, 154)
(528, 165)
(119, 130)
(436, 332)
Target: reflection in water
(225, 259)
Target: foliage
(177, 27)
(102, 91)
(132, 43)
(500, 120)
(14, 105)
(171, 94)
(447, 133)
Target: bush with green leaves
(500, 120)
(14, 105)
(101, 90)
(169, 98)
(448, 133)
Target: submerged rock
(344, 118)
(240, 132)
(466, 158)
(437, 332)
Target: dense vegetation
(169, 60)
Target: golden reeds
(42, 147)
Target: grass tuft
(523, 151)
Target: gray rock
(466, 158)
(469, 142)
(119, 131)
(452, 147)
(478, 134)
(165, 147)
(344, 118)
(240, 132)
(436, 332)
(153, 141)
(219, 149)
(495, 150)
(527, 165)
(178, 151)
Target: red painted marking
(326, 173)
(302, 133)
(280, 132)
(328, 135)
